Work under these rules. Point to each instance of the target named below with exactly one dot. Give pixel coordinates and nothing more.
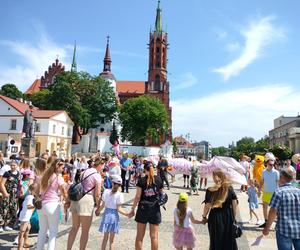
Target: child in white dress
(25, 215)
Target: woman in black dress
(147, 193)
(220, 206)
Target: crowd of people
(42, 187)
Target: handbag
(38, 201)
(236, 229)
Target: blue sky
(233, 65)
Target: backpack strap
(85, 179)
(81, 180)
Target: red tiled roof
(45, 113)
(183, 143)
(131, 87)
(22, 107)
(35, 87)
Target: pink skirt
(184, 237)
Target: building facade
(185, 148)
(203, 150)
(156, 85)
(286, 132)
(53, 128)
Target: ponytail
(150, 177)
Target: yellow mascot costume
(258, 168)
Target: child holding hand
(252, 200)
(25, 215)
(184, 235)
(112, 200)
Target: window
(157, 49)
(54, 129)
(157, 83)
(69, 131)
(13, 124)
(62, 130)
(102, 120)
(37, 127)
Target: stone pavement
(126, 238)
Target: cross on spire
(107, 60)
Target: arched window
(157, 83)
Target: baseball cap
(116, 179)
(183, 197)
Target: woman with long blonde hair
(52, 184)
(147, 193)
(220, 207)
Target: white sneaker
(1, 229)
(16, 241)
(7, 228)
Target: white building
(53, 128)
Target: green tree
(215, 152)
(220, 151)
(85, 98)
(245, 145)
(10, 90)
(282, 152)
(175, 147)
(40, 99)
(262, 145)
(143, 117)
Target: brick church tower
(157, 84)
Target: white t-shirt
(26, 213)
(187, 221)
(112, 200)
(4, 169)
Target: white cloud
(257, 36)
(232, 47)
(184, 81)
(34, 59)
(228, 116)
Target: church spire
(74, 65)
(158, 20)
(107, 60)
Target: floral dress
(10, 204)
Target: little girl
(184, 235)
(252, 200)
(112, 201)
(24, 218)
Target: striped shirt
(286, 200)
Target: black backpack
(76, 190)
